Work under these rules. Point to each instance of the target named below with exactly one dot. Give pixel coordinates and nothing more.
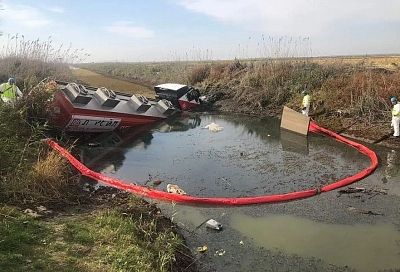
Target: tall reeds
(32, 60)
(17, 46)
(27, 171)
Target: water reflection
(294, 142)
(266, 129)
(391, 172)
(392, 168)
(250, 156)
(180, 123)
(106, 151)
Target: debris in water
(353, 209)
(157, 182)
(214, 127)
(202, 249)
(354, 190)
(213, 224)
(109, 169)
(220, 252)
(174, 189)
(371, 212)
(241, 243)
(93, 144)
(87, 187)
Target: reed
(28, 171)
(29, 61)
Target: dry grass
(199, 73)
(29, 61)
(385, 62)
(29, 72)
(27, 174)
(17, 46)
(50, 178)
(352, 86)
(148, 74)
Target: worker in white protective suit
(306, 102)
(395, 116)
(9, 92)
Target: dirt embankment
(361, 128)
(356, 127)
(351, 100)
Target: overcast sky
(205, 29)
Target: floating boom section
(231, 201)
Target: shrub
(199, 73)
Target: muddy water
(248, 157)
(330, 232)
(364, 247)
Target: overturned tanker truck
(79, 108)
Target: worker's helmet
(11, 80)
(393, 99)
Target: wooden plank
(295, 121)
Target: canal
(252, 156)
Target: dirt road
(98, 80)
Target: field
(384, 61)
(152, 73)
(98, 80)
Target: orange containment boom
(232, 201)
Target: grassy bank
(132, 236)
(344, 89)
(47, 220)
